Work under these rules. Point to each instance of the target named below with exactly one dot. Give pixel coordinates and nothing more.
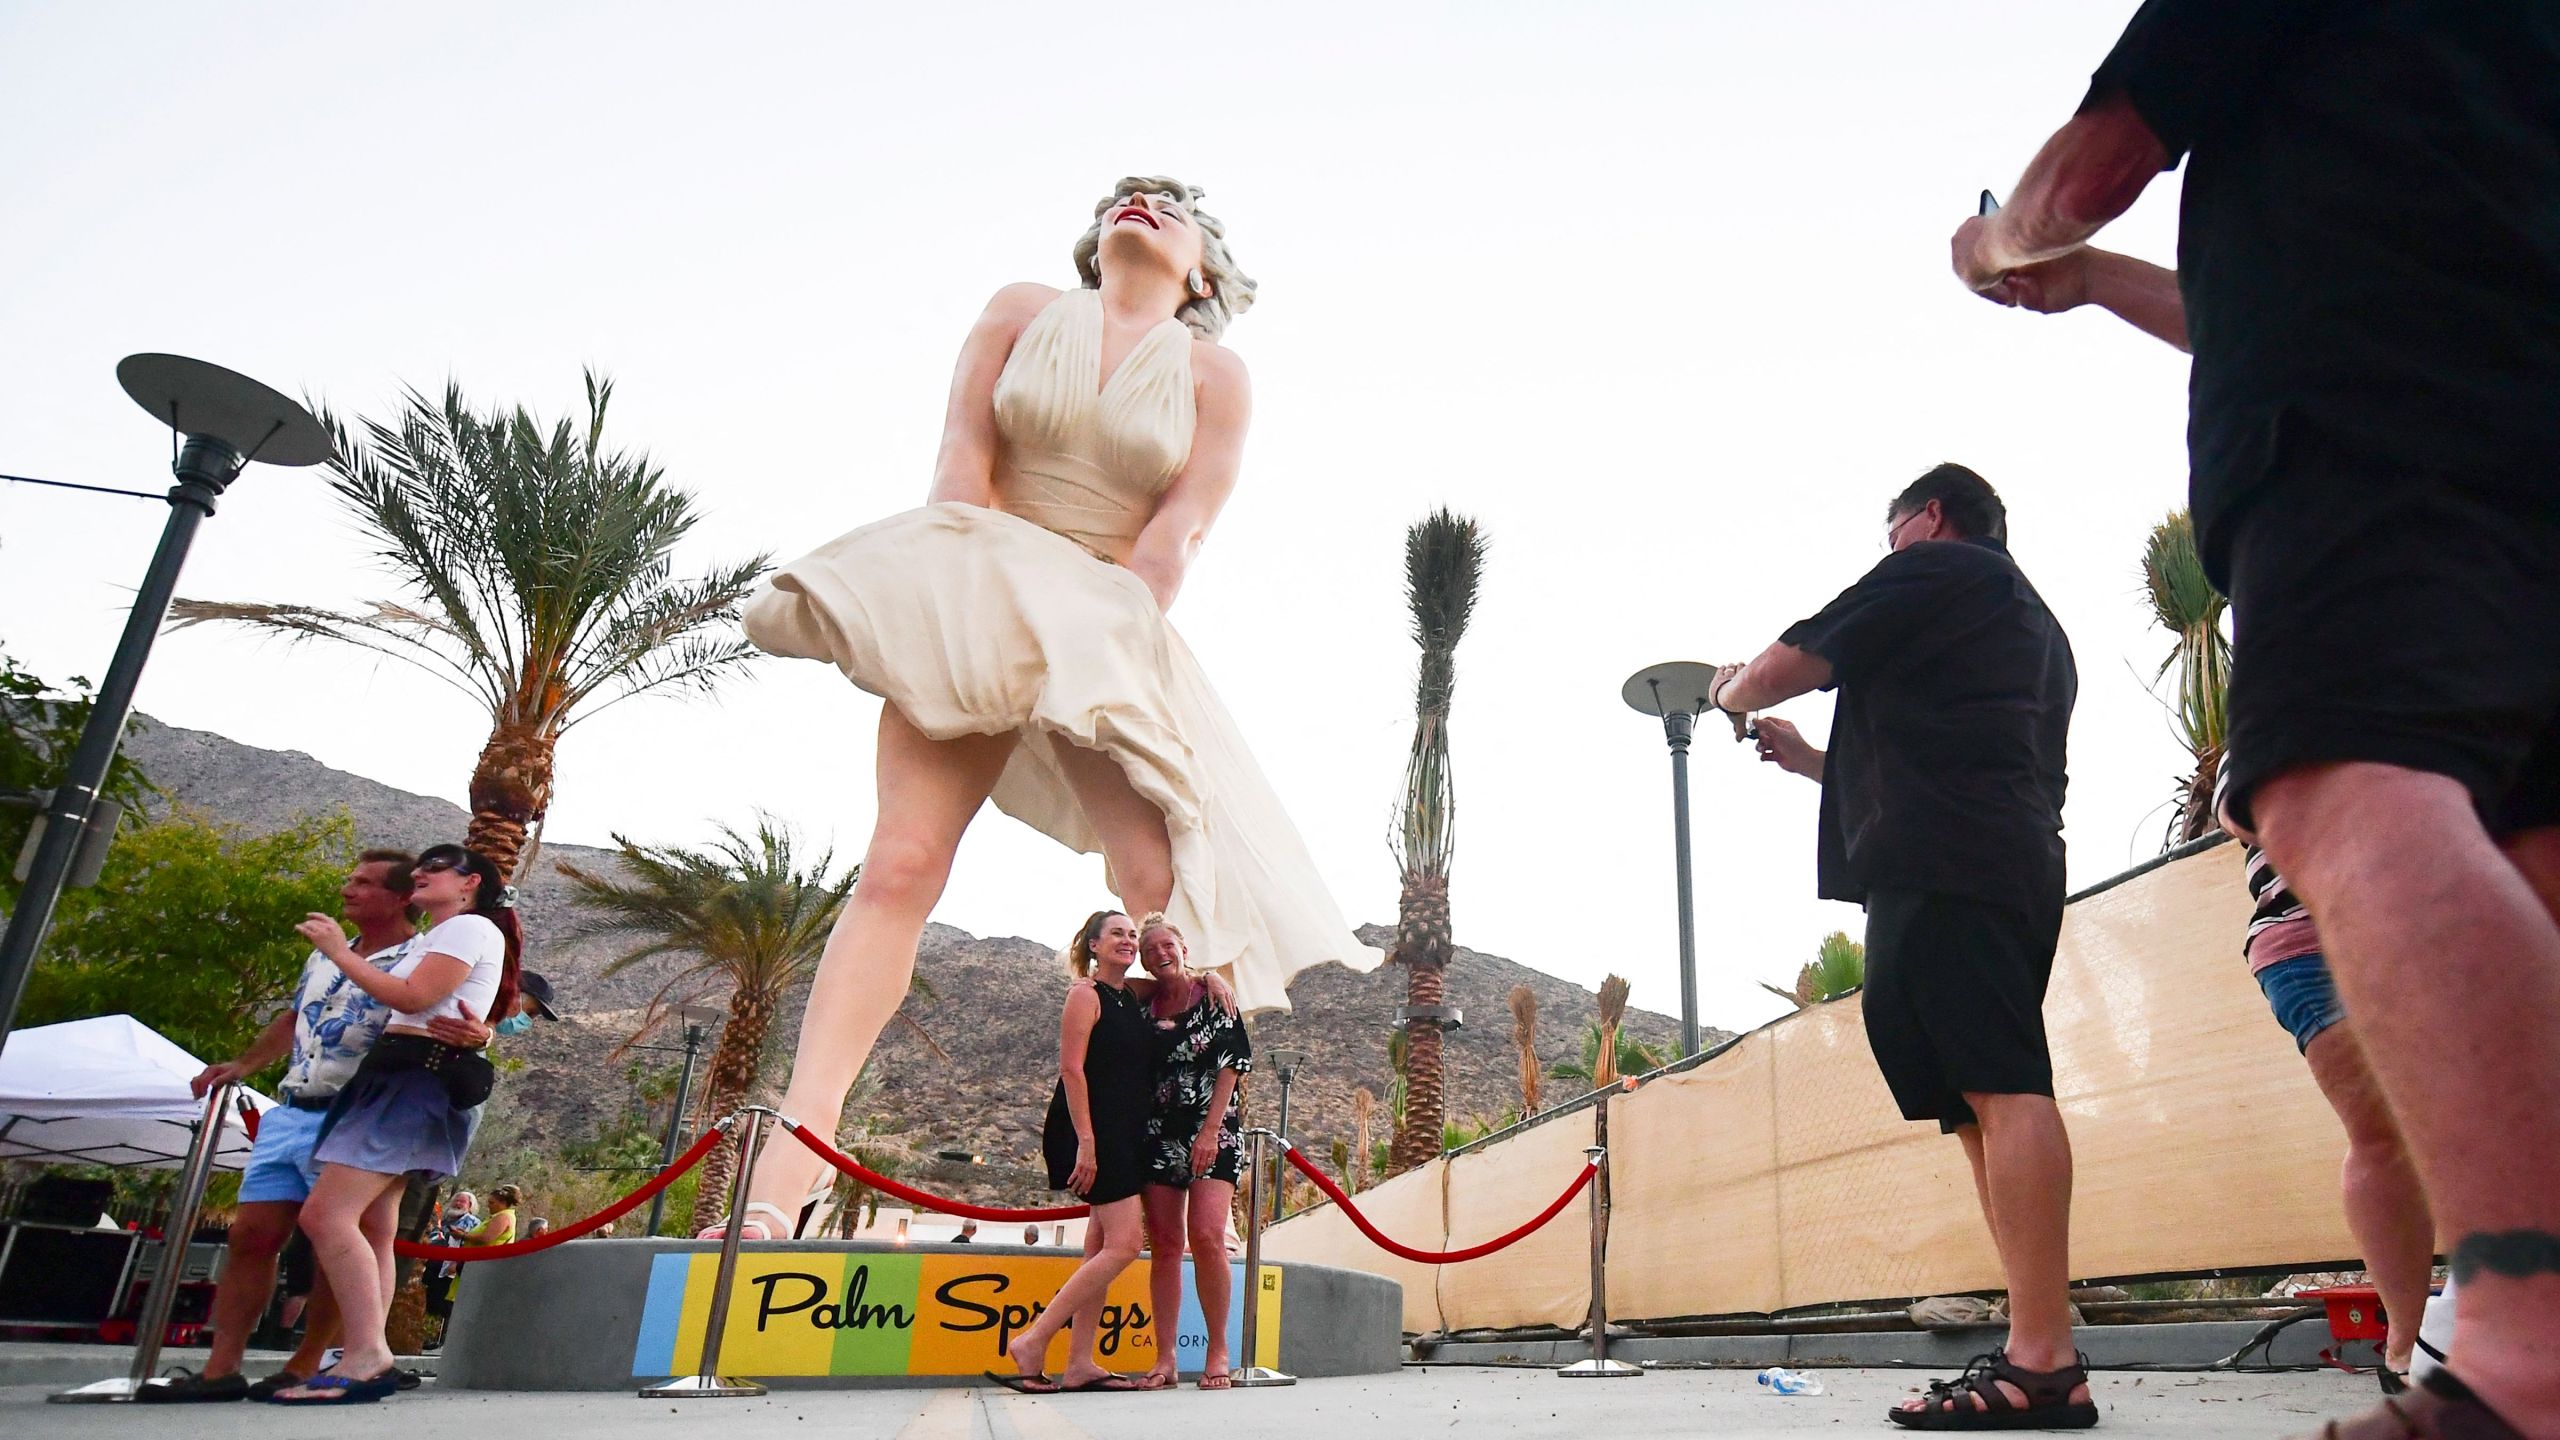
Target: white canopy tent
(107, 1091)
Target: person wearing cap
(533, 998)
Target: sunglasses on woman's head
(436, 867)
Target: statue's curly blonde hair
(1230, 289)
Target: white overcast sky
(1658, 292)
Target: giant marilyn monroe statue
(1016, 627)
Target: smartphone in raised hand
(1988, 206)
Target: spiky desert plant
(871, 1139)
(1397, 1048)
(1364, 1106)
(1444, 566)
(2184, 602)
(1613, 1016)
(1631, 1057)
(537, 577)
(1839, 966)
(1524, 1039)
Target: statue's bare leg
(929, 790)
(1134, 841)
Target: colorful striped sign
(892, 1313)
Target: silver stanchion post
(174, 1237)
(707, 1381)
(1251, 1374)
(1599, 1366)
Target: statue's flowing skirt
(975, 622)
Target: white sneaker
(2435, 1335)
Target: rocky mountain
(977, 1090)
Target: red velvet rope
(606, 1216)
(913, 1196)
(1334, 1193)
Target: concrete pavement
(1414, 1404)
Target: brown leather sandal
(1951, 1404)
(2437, 1408)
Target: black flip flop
(281, 1380)
(1106, 1383)
(185, 1387)
(1027, 1384)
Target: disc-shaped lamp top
(195, 398)
(1672, 687)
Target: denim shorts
(2303, 996)
(280, 1164)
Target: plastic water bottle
(1781, 1381)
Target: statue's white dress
(978, 621)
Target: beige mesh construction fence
(1777, 1174)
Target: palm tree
(1443, 564)
(538, 578)
(1524, 1039)
(2185, 604)
(746, 914)
(1839, 966)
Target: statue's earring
(1200, 284)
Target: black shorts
(2404, 619)
(1955, 1000)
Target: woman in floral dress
(1195, 1148)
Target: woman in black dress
(1094, 1141)
(1195, 1147)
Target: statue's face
(1150, 229)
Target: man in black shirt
(1942, 814)
(2369, 279)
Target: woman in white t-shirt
(408, 1107)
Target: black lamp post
(1675, 692)
(698, 1020)
(227, 420)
